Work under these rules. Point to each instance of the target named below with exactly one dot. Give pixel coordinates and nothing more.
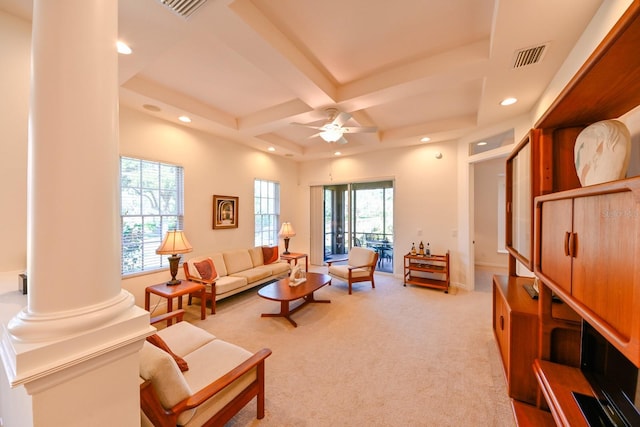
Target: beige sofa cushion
(256, 256)
(229, 283)
(218, 261)
(278, 268)
(237, 260)
(168, 382)
(209, 363)
(254, 274)
(184, 338)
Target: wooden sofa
(221, 378)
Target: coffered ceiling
(246, 69)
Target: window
(151, 198)
(266, 196)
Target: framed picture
(225, 212)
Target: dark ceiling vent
(529, 56)
(184, 8)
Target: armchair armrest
(353, 267)
(203, 281)
(177, 314)
(336, 260)
(218, 385)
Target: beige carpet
(389, 356)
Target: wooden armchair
(208, 278)
(221, 379)
(360, 267)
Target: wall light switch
(419, 231)
(454, 233)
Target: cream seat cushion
(204, 369)
(229, 283)
(254, 274)
(357, 256)
(279, 267)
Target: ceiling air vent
(184, 8)
(529, 56)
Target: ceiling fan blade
(360, 129)
(307, 126)
(342, 141)
(341, 119)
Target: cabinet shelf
(430, 271)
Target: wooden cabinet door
(607, 229)
(556, 228)
(501, 325)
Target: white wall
(15, 62)
(487, 178)
(211, 166)
(425, 194)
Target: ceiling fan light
(331, 135)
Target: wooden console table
(434, 265)
(176, 291)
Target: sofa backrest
(218, 261)
(237, 260)
(256, 256)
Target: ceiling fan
(333, 130)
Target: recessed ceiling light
(151, 107)
(508, 101)
(123, 48)
(337, 153)
(271, 149)
(425, 139)
(184, 119)
(481, 143)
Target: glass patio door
(359, 214)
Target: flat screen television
(614, 380)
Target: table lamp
(287, 231)
(174, 243)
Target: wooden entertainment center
(582, 243)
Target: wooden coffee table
(282, 292)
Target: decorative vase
(602, 152)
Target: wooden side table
(177, 291)
(293, 256)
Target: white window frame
(150, 206)
(266, 196)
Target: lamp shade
(175, 242)
(287, 230)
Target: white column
(78, 337)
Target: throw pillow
(159, 342)
(270, 254)
(206, 269)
